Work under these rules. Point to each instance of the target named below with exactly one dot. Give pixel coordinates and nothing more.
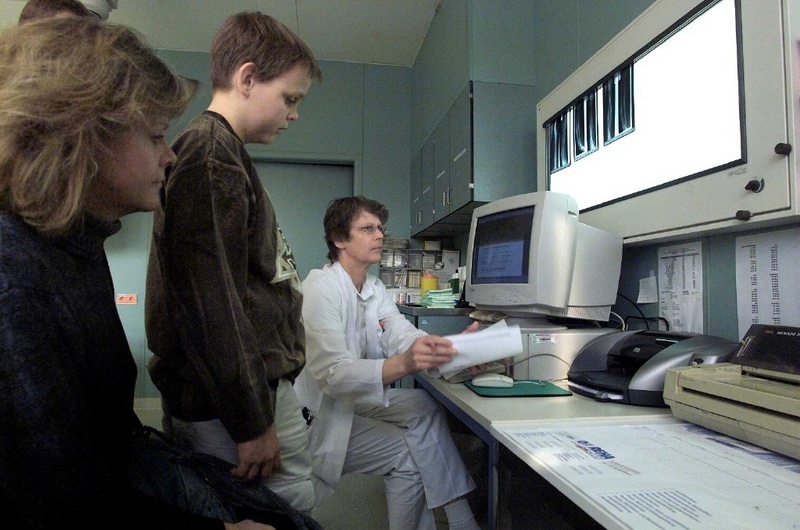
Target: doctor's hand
(259, 457)
(425, 353)
(428, 352)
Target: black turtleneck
(67, 381)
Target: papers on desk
(670, 475)
(498, 341)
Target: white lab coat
(340, 370)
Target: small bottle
(455, 283)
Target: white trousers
(409, 444)
(292, 482)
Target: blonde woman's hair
(68, 88)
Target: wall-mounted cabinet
(460, 119)
(426, 184)
(415, 199)
(478, 40)
(478, 153)
(453, 183)
(471, 79)
(441, 169)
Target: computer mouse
(492, 381)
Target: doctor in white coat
(357, 345)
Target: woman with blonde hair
(84, 109)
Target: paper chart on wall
(680, 282)
(767, 282)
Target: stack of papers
(439, 298)
(496, 342)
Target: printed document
(667, 475)
(767, 282)
(680, 278)
(498, 341)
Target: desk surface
(665, 468)
(524, 410)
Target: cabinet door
(415, 197)
(460, 115)
(441, 169)
(426, 184)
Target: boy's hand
(259, 457)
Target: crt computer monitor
(529, 257)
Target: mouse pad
(521, 389)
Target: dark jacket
(223, 296)
(66, 388)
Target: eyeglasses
(371, 229)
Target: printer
(755, 397)
(630, 366)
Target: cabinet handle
(444, 198)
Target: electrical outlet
(126, 299)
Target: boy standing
(223, 305)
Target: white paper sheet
(648, 289)
(498, 341)
(767, 282)
(670, 476)
(680, 282)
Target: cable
(639, 309)
(621, 321)
(531, 356)
(647, 321)
(634, 304)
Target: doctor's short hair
(69, 88)
(253, 37)
(38, 9)
(339, 219)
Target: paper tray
(521, 389)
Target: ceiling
(362, 31)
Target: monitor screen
(502, 247)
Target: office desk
(480, 413)
(630, 467)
